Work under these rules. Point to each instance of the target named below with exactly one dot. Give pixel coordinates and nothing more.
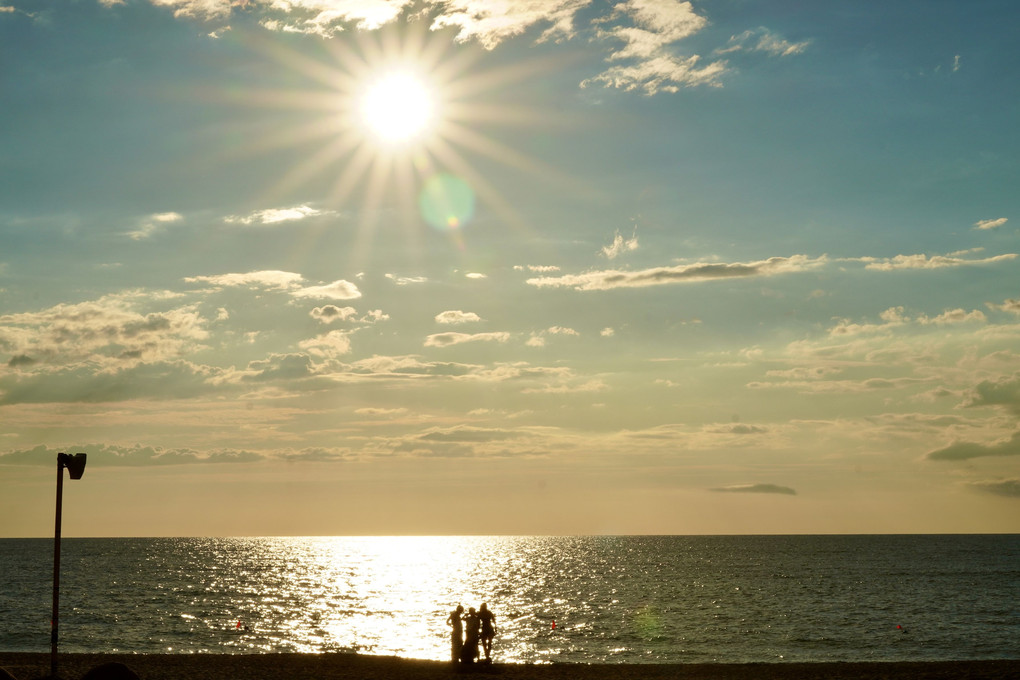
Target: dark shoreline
(28, 666)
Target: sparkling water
(595, 599)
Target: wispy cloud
(968, 450)
(448, 339)
(763, 40)
(756, 488)
(930, 262)
(406, 280)
(274, 279)
(274, 215)
(619, 246)
(153, 224)
(110, 455)
(985, 225)
(1009, 488)
(268, 278)
(895, 317)
(701, 271)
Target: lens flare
(446, 202)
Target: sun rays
(393, 126)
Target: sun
(397, 126)
(398, 107)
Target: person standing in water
(488, 620)
(457, 635)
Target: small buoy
(239, 624)
(554, 624)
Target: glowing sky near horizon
(636, 267)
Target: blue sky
(647, 267)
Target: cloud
(619, 246)
(338, 290)
(328, 346)
(272, 279)
(895, 317)
(406, 280)
(925, 262)
(152, 224)
(490, 23)
(109, 331)
(374, 411)
(756, 488)
(1010, 488)
(737, 429)
(280, 280)
(373, 316)
(538, 268)
(701, 271)
(274, 215)
(968, 450)
(953, 316)
(1010, 305)
(538, 339)
(655, 24)
(648, 29)
(467, 434)
(456, 317)
(278, 367)
(331, 313)
(325, 17)
(448, 339)
(986, 225)
(202, 9)
(1004, 391)
(763, 40)
(109, 455)
(663, 73)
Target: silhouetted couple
(470, 629)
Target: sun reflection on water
(382, 595)
(613, 599)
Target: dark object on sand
(111, 671)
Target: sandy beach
(26, 666)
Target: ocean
(582, 599)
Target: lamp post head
(75, 464)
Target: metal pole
(56, 569)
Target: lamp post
(75, 468)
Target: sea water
(595, 599)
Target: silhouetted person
(488, 620)
(471, 623)
(457, 635)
